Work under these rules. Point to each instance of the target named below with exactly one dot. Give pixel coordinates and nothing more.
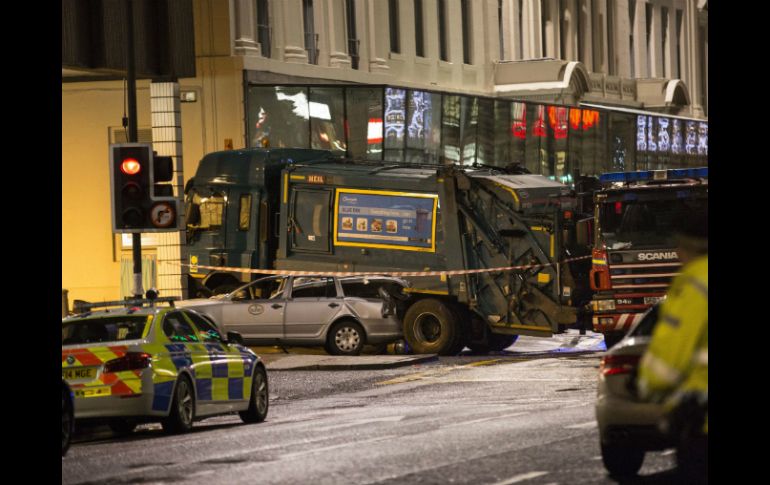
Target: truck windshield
(646, 223)
(205, 210)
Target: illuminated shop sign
(385, 219)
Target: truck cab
(230, 209)
(634, 256)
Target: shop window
(450, 127)
(364, 123)
(326, 109)
(423, 130)
(278, 116)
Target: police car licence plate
(651, 300)
(75, 373)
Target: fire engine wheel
(431, 327)
(182, 415)
(345, 338)
(258, 403)
(622, 461)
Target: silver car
(343, 314)
(627, 426)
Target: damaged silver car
(342, 314)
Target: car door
(226, 386)
(312, 305)
(259, 313)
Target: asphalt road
(523, 416)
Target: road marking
(332, 447)
(521, 478)
(590, 424)
(482, 362)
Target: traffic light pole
(133, 135)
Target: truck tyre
(622, 461)
(345, 337)
(180, 418)
(431, 327)
(258, 402)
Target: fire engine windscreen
(642, 223)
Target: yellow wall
(90, 262)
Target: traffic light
(139, 203)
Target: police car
(145, 362)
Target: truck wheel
(431, 327)
(258, 403)
(345, 338)
(622, 461)
(182, 414)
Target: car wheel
(430, 327)
(67, 420)
(122, 427)
(182, 414)
(622, 461)
(345, 338)
(258, 403)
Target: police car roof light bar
(86, 306)
(649, 175)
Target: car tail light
(130, 361)
(618, 364)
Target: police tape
(281, 272)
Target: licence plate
(651, 300)
(77, 373)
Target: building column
(244, 25)
(570, 15)
(640, 40)
(692, 58)
(336, 32)
(165, 109)
(289, 31)
(656, 33)
(551, 48)
(533, 43)
(378, 35)
(585, 12)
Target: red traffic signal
(130, 166)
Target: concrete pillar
(656, 33)
(244, 27)
(289, 30)
(165, 108)
(585, 9)
(622, 29)
(640, 40)
(570, 16)
(335, 33)
(600, 41)
(533, 42)
(552, 28)
(378, 33)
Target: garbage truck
(490, 253)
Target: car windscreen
(107, 329)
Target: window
(395, 124)
(207, 331)
(207, 209)
(442, 45)
(326, 108)
(419, 41)
(353, 42)
(311, 38)
(113, 329)
(321, 287)
(395, 40)
(611, 37)
(266, 288)
(244, 212)
(500, 28)
(177, 329)
(650, 47)
(310, 220)
(466, 23)
(365, 124)
(631, 18)
(279, 115)
(678, 73)
(263, 27)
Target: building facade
(560, 86)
